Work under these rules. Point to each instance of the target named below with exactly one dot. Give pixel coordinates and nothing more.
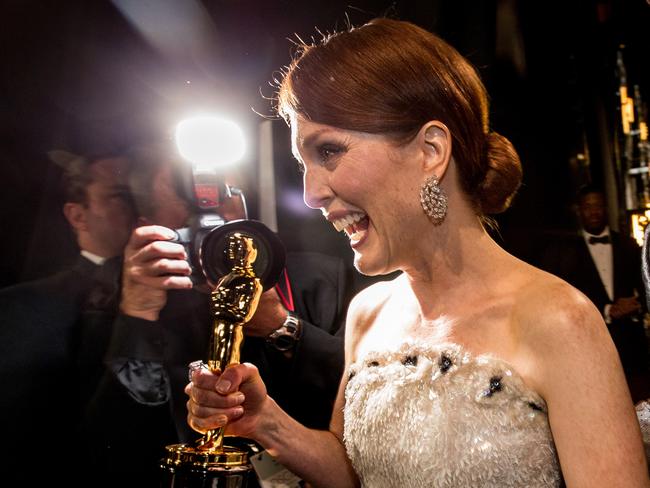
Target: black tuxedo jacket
(38, 343)
(570, 259)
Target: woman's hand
(235, 399)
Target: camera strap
(286, 297)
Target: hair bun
(503, 177)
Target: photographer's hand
(152, 265)
(269, 316)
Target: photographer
(164, 324)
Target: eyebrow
(304, 142)
(309, 140)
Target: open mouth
(355, 226)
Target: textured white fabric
(643, 414)
(438, 417)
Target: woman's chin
(369, 267)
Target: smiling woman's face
(365, 185)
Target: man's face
(109, 214)
(593, 213)
(168, 208)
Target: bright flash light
(210, 142)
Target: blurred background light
(210, 142)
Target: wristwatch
(285, 337)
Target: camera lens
(271, 254)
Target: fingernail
(222, 420)
(239, 398)
(237, 412)
(223, 386)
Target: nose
(317, 191)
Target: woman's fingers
(207, 408)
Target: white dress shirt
(98, 260)
(603, 259)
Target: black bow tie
(599, 240)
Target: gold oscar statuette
(233, 303)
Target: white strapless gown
(439, 417)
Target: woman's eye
(326, 151)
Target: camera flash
(209, 142)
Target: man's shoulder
(559, 249)
(65, 284)
(625, 241)
(40, 286)
(572, 237)
(35, 305)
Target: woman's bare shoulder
(366, 304)
(547, 304)
(571, 361)
(558, 325)
(364, 309)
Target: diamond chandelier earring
(433, 200)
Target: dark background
(79, 73)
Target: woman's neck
(463, 262)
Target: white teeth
(349, 219)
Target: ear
(76, 215)
(435, 141)
(63, 158)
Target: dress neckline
(448, 358)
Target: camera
(206, 237)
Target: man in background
(39, 336)
(606, 266)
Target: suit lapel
(592, 276)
